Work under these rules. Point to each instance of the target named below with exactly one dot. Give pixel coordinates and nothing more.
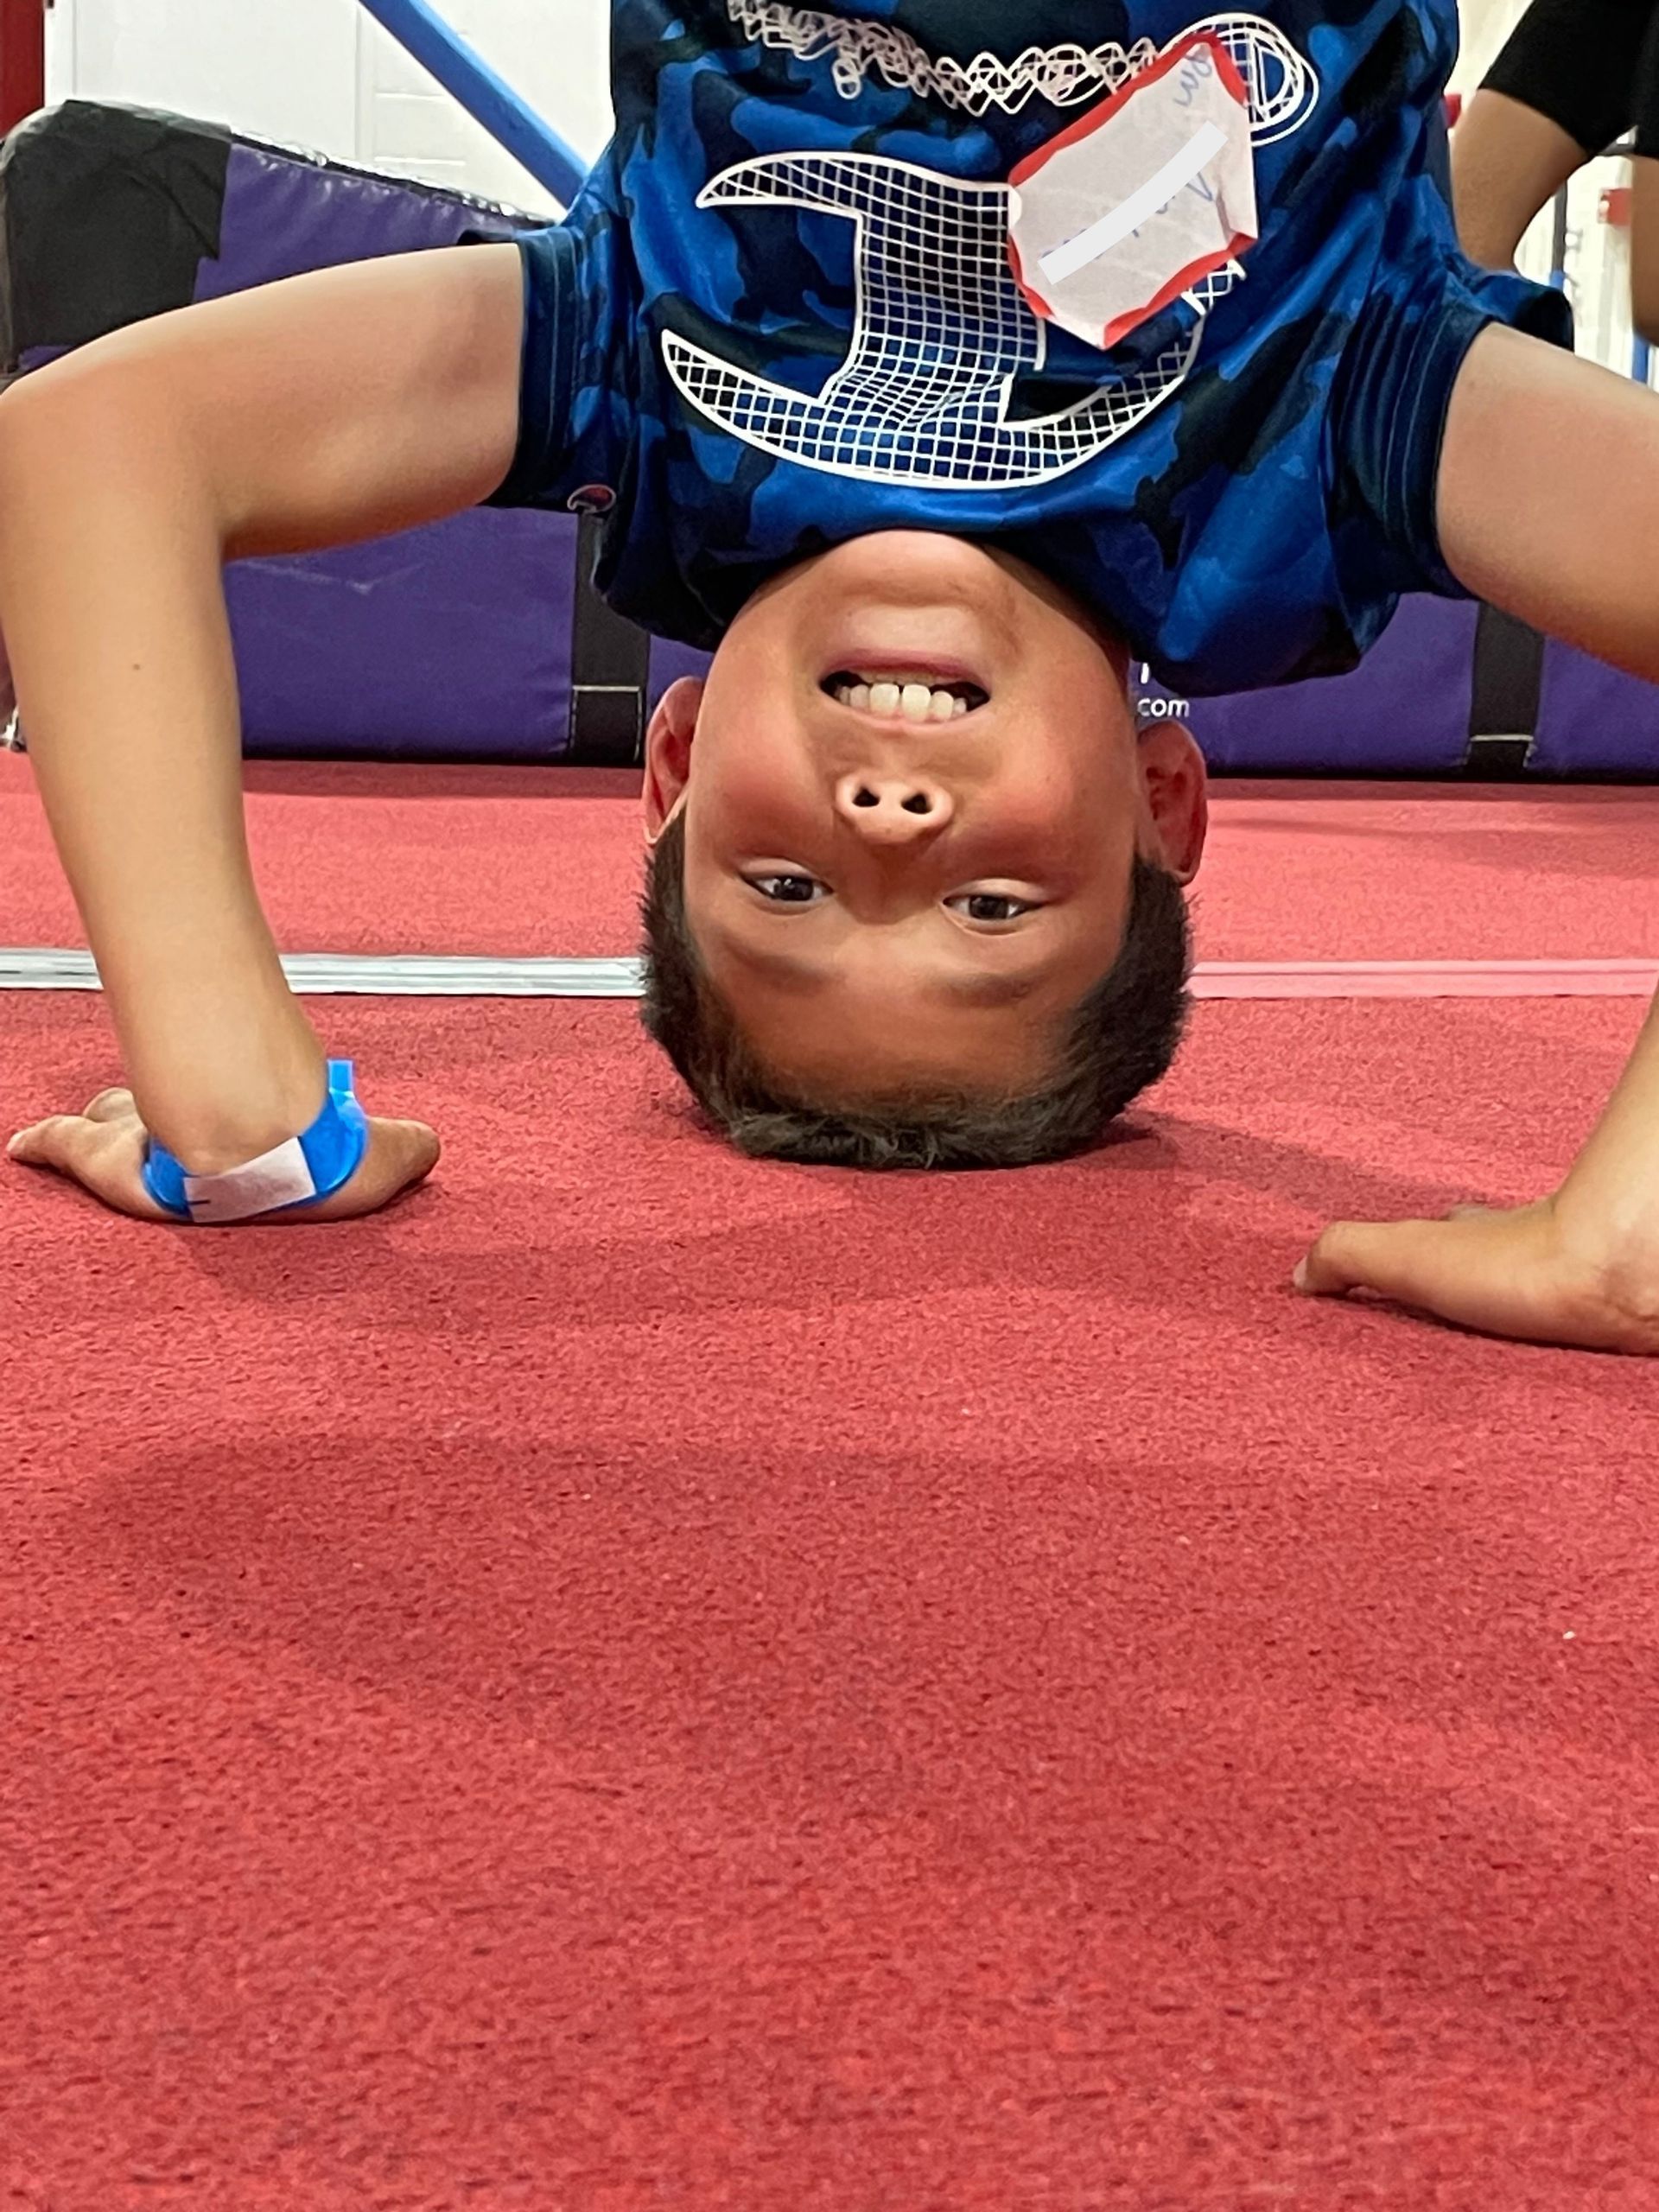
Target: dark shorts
(1392, 399)
(1592, 66)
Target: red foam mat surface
(516, 864)
(643, 1680)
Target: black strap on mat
(610, 671)
(1508, 694)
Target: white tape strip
(1094, 243)
(281, 1177)
(331, 976)
(328, 974)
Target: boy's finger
(112, 1106)
(87, 1152)
(400, 1155)
(420, 1147)
(403, 1155)
(1387, 1257)
(48, 1144)
(1472, 1272)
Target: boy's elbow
(38, 436)
(87, 427)
(30, 425)
(53, 422)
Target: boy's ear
(668, 753)
(1178, 792)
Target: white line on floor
(328, 974)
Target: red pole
(22, 60)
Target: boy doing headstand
(929, 360)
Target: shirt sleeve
(563, 445)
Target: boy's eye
(990, 909)
(790, 890)
(990, 906)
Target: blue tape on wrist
(326, 1157)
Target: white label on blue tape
(281, 1179)
(1152, 199)
(1146, 197)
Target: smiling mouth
(898, 696)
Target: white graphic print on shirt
(1282, 92)
(942, 332)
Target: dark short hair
(1122, 1037)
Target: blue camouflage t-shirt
(784, 313)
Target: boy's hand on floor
(1533, 1273)
(103, 1150)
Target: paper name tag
(281, 1177)
(1146, 196)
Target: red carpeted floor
(640, 1679)
(518, 864)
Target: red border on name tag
(1086, 127)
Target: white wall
(556, 52)
(297, 80)
(322, 74)
(1486, 24)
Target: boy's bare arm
(1549, 508)
(335, 407)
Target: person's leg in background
(1559, 94)
(1645, 177)
(1507, 162)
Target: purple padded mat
(669, 662)
(447, 643)
(284, 214)
(1594, 721)
(451, 642)
(1405, 712)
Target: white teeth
(911, 701)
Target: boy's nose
(894, 809)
